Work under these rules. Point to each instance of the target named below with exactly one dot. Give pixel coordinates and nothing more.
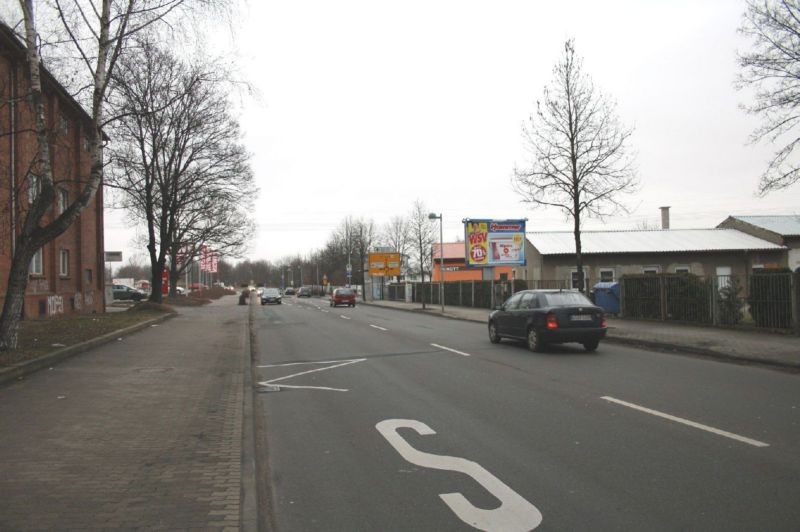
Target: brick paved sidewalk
(142, 433)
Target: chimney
(664, 217)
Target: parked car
(126, 293)
(542, 317)
(343, 296)
(270, 295)
(304, 291)
(289, 291)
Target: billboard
(384, 264)
(494, 242)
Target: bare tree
(96, 32)
(178, 159)
(421, 233)
(363, 232)
(395, 235)
(579, 157)
(772, 68)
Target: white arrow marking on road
(463, 354)
(700, 426)
(514, 514)
(376, 327)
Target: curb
(22, 369)
(662, 346)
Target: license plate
(581, 317)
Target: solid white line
(347, 363)
(463, 354)
(265, 383)
(312, 363)
(376, 327)
(700, 426)
(344, 317)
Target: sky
(360, 108)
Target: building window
(606, 276)
(36, 264)
(683, 269)
(63, 200)
(63, 263)
(34, 187)
(651, 269)
(64, 124)
(574, 276)
(88, 275)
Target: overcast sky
(365, 106)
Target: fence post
(460, 296)
(473, 294)
(795, 288)
(662, 293)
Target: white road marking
(693, 424)
(325, 311)
(334, 364)
(463, 354)
(312, 388)
(344, 317)
(376, 327)
(514, 514)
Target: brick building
(66, 275)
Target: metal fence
(766, 300)
(769, 300)
(475, 294)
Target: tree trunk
(15, 298)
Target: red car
(343, 296)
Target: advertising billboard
(384, 264)
(494, 242)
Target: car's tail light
(552, 321)
(603, 321)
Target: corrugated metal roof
(784, 225)
(659, 241)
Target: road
(389, 420)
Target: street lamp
(433, 216)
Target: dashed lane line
(463, 354)
(687, 422)
(376, 327)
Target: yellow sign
(384, 264)
(477, 243)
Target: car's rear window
(566, 298)
(345, 292)
(272, 292)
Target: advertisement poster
(494, 242)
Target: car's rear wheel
(591, 345)
(493, 336)
(535, 342)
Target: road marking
(376, 327)
(344, 317)
(514, 514)
(700, 426)
(463, 354)
(334, 364)
(325, 311)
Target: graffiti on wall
(78, 301)
(55, 305)
(88, 298)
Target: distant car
(289, 291)
(304, 291)
(271, 295)
(343, 296)
(126, 293)
(542, 317)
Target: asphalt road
(389, 420)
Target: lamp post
(433, 216)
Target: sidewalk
(752, 347)
(145, 432)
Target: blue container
(607, 295)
